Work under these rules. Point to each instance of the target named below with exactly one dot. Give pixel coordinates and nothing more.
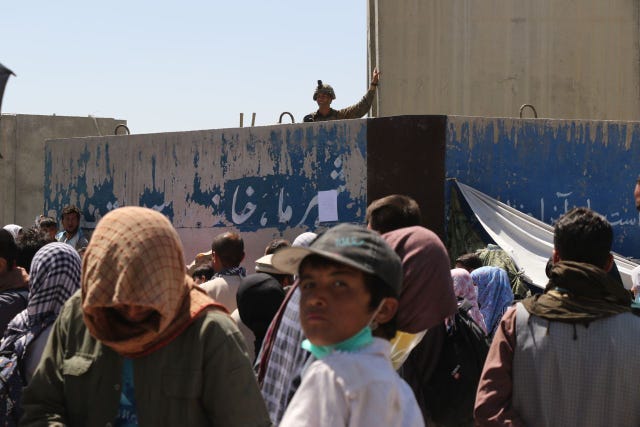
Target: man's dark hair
(281, 278)
(31, 241)
(70, 210)
(229, 247)
(203, 270)
(393, 212)
(377, 288)
(8, 248)
(275, 245)
(47, 222)
(583, 235)
(469, 261)
(380, 290)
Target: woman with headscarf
(142, 340)
(426, 301)
(494, 295)
(466, 292)
(54, 276)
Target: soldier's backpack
(451, 391)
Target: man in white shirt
(227, 252)
(72, 234)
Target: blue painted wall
(264, 181)
(545, 167)
(249, 179)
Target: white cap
(264, 265)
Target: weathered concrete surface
(570, 59)
(264, 181)
(22, 139)
(261, 181)
(546, 167)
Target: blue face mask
(355, 343)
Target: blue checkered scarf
(233, 271)
(54, 277)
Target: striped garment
(282, 357)
(135, 259)
(285, 360)
(54, 277)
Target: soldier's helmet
(322, 88)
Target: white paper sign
(327, 206)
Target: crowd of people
(342, 328)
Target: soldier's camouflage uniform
(353, 112)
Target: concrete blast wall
(22, 139)
(546, 167)
(263, 182)
(571, 60)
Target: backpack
(450, 393)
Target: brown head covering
(427, 296)
(135, 258)
(579, 293)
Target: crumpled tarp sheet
(527, 240)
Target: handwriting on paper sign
(562, 199)
(284, 212)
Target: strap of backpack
(465, 306)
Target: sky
(176, 66)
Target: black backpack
(450, 393)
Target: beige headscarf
(135, 258)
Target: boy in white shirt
(350, 280)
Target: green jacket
(202, 378)
(353, 112)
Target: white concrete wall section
(22, 139)
(570, 59)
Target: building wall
(571, 60)
(546, 167)
(22, 139)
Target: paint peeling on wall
(546, 167)
(247, 178)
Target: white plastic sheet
(527, 240)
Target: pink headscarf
(427, 296)
(464, 289)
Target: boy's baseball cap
(348, 244)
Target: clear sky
(173, 66)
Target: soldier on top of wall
(324, 95)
